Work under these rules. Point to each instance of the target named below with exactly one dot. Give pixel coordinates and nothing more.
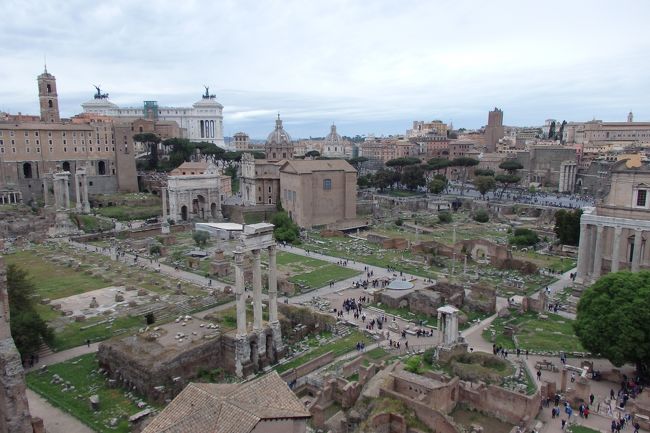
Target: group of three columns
(257, 290)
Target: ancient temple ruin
(263, 342)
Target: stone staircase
(341, 329)
(44, 350)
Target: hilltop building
(31, 149)
(203, 121)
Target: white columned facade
(593, 251)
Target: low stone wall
(239, 214)
(501, 403)
(308, 367)
(430, 417)
(311, 321)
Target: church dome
(333, 137)
(279, 136)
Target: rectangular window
(641, 197)
(327, 183)
(36, 133)
(26, 133)
(27, 141)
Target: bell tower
(48, 97)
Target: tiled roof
(228, 408)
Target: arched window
(49, 89)
(66, 166)
(27, 170)
(101, 168)
(49, 103)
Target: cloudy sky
(370, 66)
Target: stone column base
(277, 337)
(242, 355)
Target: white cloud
(370, 65)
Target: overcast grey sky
(370, 66)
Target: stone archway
(198, 206)
(66, 166)
(101, 168)
(184, 213)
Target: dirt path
(56, 421)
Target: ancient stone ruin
(14, 408)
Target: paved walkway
(56, 421)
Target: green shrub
(481, 216)
(399, 221)
(201, 238)
(444, 217)
(413, 365)
(524, 238)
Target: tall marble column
(77, 190)
(598, 253)
(46, 192)
(257, 290)
(240, 296)
(636, 255)
(273, 285)
(163, 193)
(84, 196)
(66, 191)
(617, 249)
(583, 251)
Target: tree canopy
(484, 184)
(511, 165)
(151, 140)
(413, 176)
(285, 230)
(27, 328)
(384, 178)
(312, 154)
(612, 318)
(567, 226)
(399, 163)
(438, 164)
(483, 172)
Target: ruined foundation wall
(501, 403)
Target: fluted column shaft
(257, 290)
(240, 297)
(616, 249)
(273, 285)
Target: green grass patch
(340, 347)
(91, 224)
(129, 213)
(320, 277)
(53, 280)
(285, 258)
(376, 354)
(406, 314)
(72, 335)
(581, 429)
(552, 334)
(82, 373)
